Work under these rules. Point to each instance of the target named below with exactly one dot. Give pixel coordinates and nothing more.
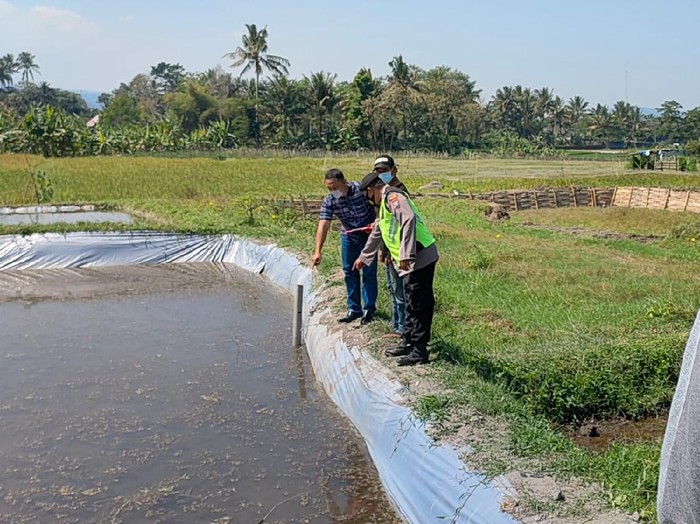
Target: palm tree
(403, 81)
(5, 74)
(322, 96)
(26, 64)
(635, 125)
(576, 108)
(544, 102)
(46, 95)
(620, 117)
(527, 101)
(284, 102)
(557, 116)
(8, 67)
(253, 55)
(600, 121)
(504, 104)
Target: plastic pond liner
(144, 378)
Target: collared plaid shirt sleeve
(327, 208)
(353, 210)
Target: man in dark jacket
(413, 251)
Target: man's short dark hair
(334, 174)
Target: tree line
(435, 110)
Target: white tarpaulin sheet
(426, 482)
(679, 475)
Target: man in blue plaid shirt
(348, 204)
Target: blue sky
(605, 51)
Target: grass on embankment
(545, 327)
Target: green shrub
(605, 379)
(692, 147)
(682, 163)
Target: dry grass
(617, 219)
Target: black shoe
(367, 318)
(349, 318)
(398, 351)
(412, 359)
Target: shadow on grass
(448, 352)
(452, 353)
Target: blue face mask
(386, 177)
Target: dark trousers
(420, 306)
(398, 304)
(364, 290)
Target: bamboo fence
(522, 200)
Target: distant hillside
(90, 98)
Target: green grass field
(534, 325)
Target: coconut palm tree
(636, 125)
(544, 102)
(8, 67)
(253, 55)
(284, 106)
(26, 64)
(556, 117)
(46, 95)
(403, 87)
(600, 123)
(323, 98)
(576, 108)
(620, 118)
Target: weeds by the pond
(553, 327)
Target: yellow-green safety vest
(391, 229)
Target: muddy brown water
(598, 436)
(167, 394)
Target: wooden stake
(296, 319)
(646, 204)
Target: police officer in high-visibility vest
(413, 250)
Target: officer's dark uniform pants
(420, 305)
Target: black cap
(384, 161)
(368, 180)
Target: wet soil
(598, 436)
(167, 394)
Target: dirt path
(605, 235)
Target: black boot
(416, 356)
(398, 351)
(367, 318)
